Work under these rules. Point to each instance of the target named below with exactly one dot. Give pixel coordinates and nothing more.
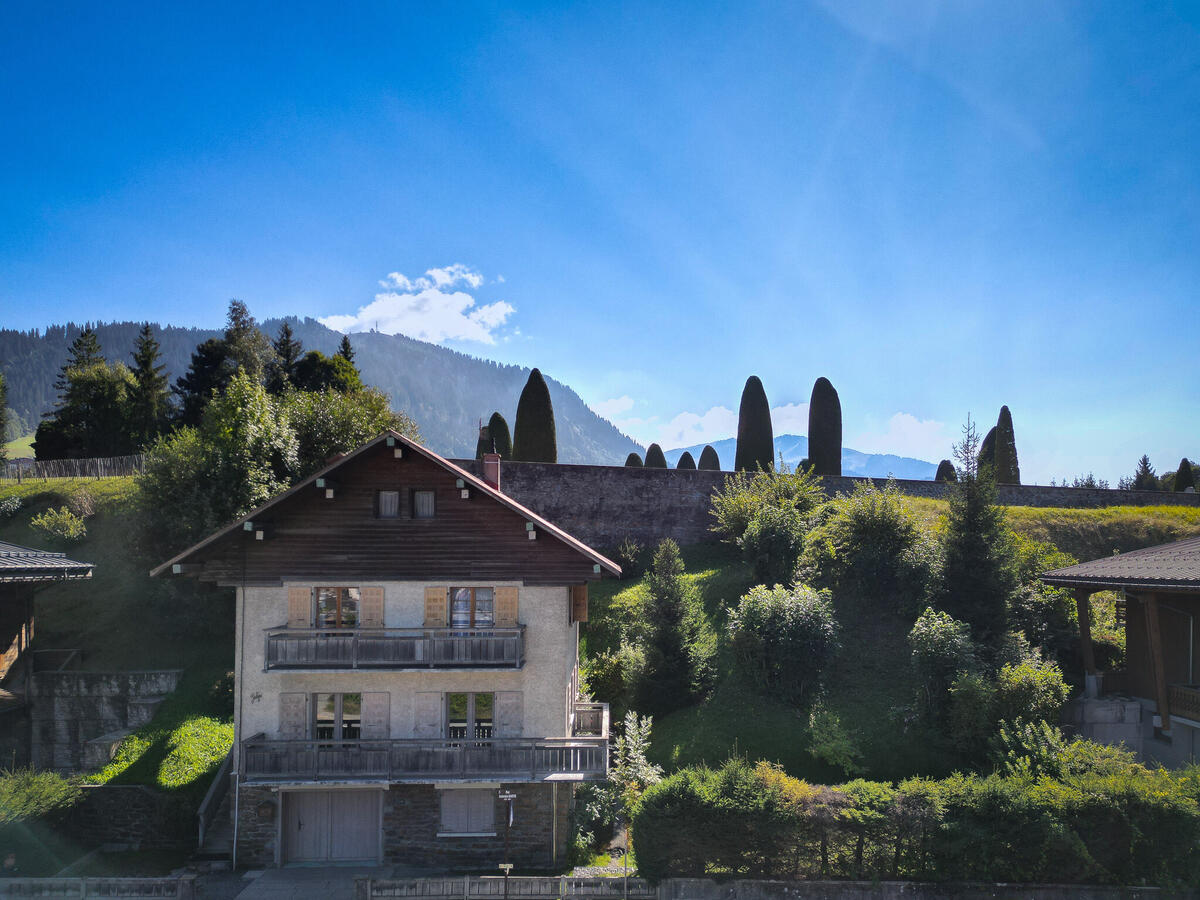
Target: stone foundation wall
(131, 814)
(258, 810)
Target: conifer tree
(986, 462)
(247, 348)
(535, 439)
(1144, 478)
(484, 444)
(1184, 478)
(498, 432)
(687, 461)
(709, 459)
(208, 373)
(633, 461)
(755, 437)
(1007, 470)
(655, 458)
(825, 429)
(3, 416)
(84, 352)
(345, 350)
(149, 400)
(282, 371)
(945, 471)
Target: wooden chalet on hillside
(406, 667)
(1161, 591)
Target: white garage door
(331, 826)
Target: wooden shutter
(579, 611)
(299, 607)
(481, 816)
(427, 714)
(506, 606)
(435, 607)
(456, 811)
(510, 714)
(293, 717)
(372, 607)
(376, 716)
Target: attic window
(423, 504)
(388, 504)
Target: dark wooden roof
(27, 564)
(311, 537)
(1165, 567)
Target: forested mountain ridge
(445, 391)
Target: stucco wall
(550, 656)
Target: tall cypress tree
(709, 459)
(825, 429)
(1185, 478)
(1007, 469)
(633, 461)
(149, 399)
(484, 444)
(686, 461)
(945, 471)
(535, 439)
(755, 437)
(498, 432)
(986, 461)
(655, 459)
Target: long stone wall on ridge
(602, 505)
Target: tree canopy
(825, 429)
(755, 437)
(1007, 471)
(535, 439)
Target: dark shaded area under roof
(19, 563)
(1171, 567)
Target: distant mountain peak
(794, 448)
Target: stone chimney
(491, 469)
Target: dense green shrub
(633, 461)
(772, 543)
(60, 525)
(631, 557)
(941, 649)
(27, 795)
(535, 439)
(945, 471)
(825, 429)
(709, 459)
(1031, 690)
(655, 459)
(9, 506)
(783, 639)
(744, 494)
(871, 543)
(755, 436)
(686, 461)
(613, 676)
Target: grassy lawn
(20, 448)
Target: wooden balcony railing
(1183, 700)
(506, 759)
(395, 648)
(590, 720)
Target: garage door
(331, 826)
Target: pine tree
(247, 348)
(686, 461)
(498, 431)
(282, 371)
(1144, 478)
(945, 471)
(1007, 470)
(1184, 477)
(755, 438)
(207, 374)
(84, 352)
(709, 459)
(535, 439)
(825, 429)
(655, 458)
(633, 461)
(149, 400)
(345, 350)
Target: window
(423, 504)
(337, 717)
(387, 504)
(472, 608)
(468, 812)
(337, 607)
(470, 716)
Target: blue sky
(942, 207)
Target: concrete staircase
(218, 839)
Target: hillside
(446, 392)
(794, 448)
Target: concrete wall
(602, 505)
(70, 708)
(550, 657)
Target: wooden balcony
(395, 648)
(1183, 700)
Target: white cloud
(610, 409)
(906, 435)
(428, 308)
(689, 428)
(792, 418)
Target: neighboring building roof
(27, 564)
(1166, 567)
(472, 481)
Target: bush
(736, 503)
(27, 795)
(941, 649)
(1031, 690)
(613, 676)
(631, 557)
(9, 507)
(772, 543)
(783, 639)
(60, 525)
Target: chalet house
(1153, 706)
(406, 667)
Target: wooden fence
(469, 887)
(21, 470)
(180, 888)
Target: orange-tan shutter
(506, 607)
(293, 717)
(372, 607)
(579, 610)
(435, 607)
(299, 607)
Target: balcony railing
(1183, 700)
(590, 720)
(505, 759)
(395, 648)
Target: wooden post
(1084, 607)
(1156, 658)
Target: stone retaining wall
(131, 814)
